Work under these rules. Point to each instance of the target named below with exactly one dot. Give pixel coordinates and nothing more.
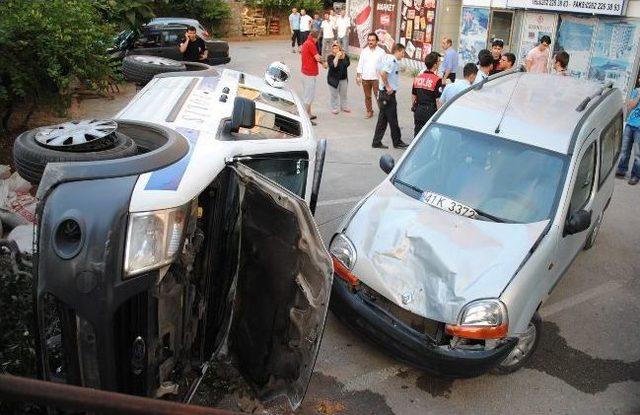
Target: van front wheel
(527, 345)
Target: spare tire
(85, 140)
(141, 69)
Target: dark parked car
(162, 40)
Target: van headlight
(343, 250)
(483, 313)
(481, 319)
(153, 239)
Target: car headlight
(153, 239)
(483, 313)
(343, 254)
(481, 319)
(343, 250)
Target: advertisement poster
(417, 19)
(575, 36)
(473, 34)
(534, 26)
(613, 52)
(361, 14)
(384, 22)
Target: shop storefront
(417, 24)
(602, 37)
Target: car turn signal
(477, 332)
(344, 272)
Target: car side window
(584, 180)
(610, 142)
(288, 170)
(170, 38)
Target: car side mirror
(244, 114)
(579, 221)
(386, 163)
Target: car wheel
(85, 140)
(526, 346)
(591, 239)
(141, 69)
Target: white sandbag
(23, 235)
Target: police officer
(427, 88)
(389, 82)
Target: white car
(446, 263)
(181, 230)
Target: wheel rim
(526, 341)
(155, 60)
(78, 135)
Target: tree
(127, 14)
(46, 45)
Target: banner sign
(534, 26)
(607, 7)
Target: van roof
(538, 109)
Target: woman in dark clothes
(338, 62)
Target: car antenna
(497, 131)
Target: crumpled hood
(433, 262)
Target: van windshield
(502, 180)
(268, 99)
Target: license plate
(444, 203)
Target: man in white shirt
(343, 24)
(327, 34)
(367, 71)
(305, 25)
(470, 71)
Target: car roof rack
(585, 102)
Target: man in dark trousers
(425, 92)
(388, 68)
(193, 47)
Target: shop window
(501, 23)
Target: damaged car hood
(433, 262)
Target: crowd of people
(378, 74)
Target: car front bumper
(408, 345)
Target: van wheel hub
(78, 136)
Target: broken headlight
(153, 239)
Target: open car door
(283, 288)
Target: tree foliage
(127, 14)
(46, 45)
(281, 6)
(208, 12)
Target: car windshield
(502, 180)
(268, 99)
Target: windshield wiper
(490, 217)
(410, 186)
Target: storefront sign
(361, 14)
(417, 20)
(608, 7)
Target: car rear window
(268, 99)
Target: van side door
(581, 196)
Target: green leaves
(46, 46)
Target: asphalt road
(589, 356)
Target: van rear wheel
(526, 346)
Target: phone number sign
(608, 7)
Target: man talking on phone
(193, 47)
